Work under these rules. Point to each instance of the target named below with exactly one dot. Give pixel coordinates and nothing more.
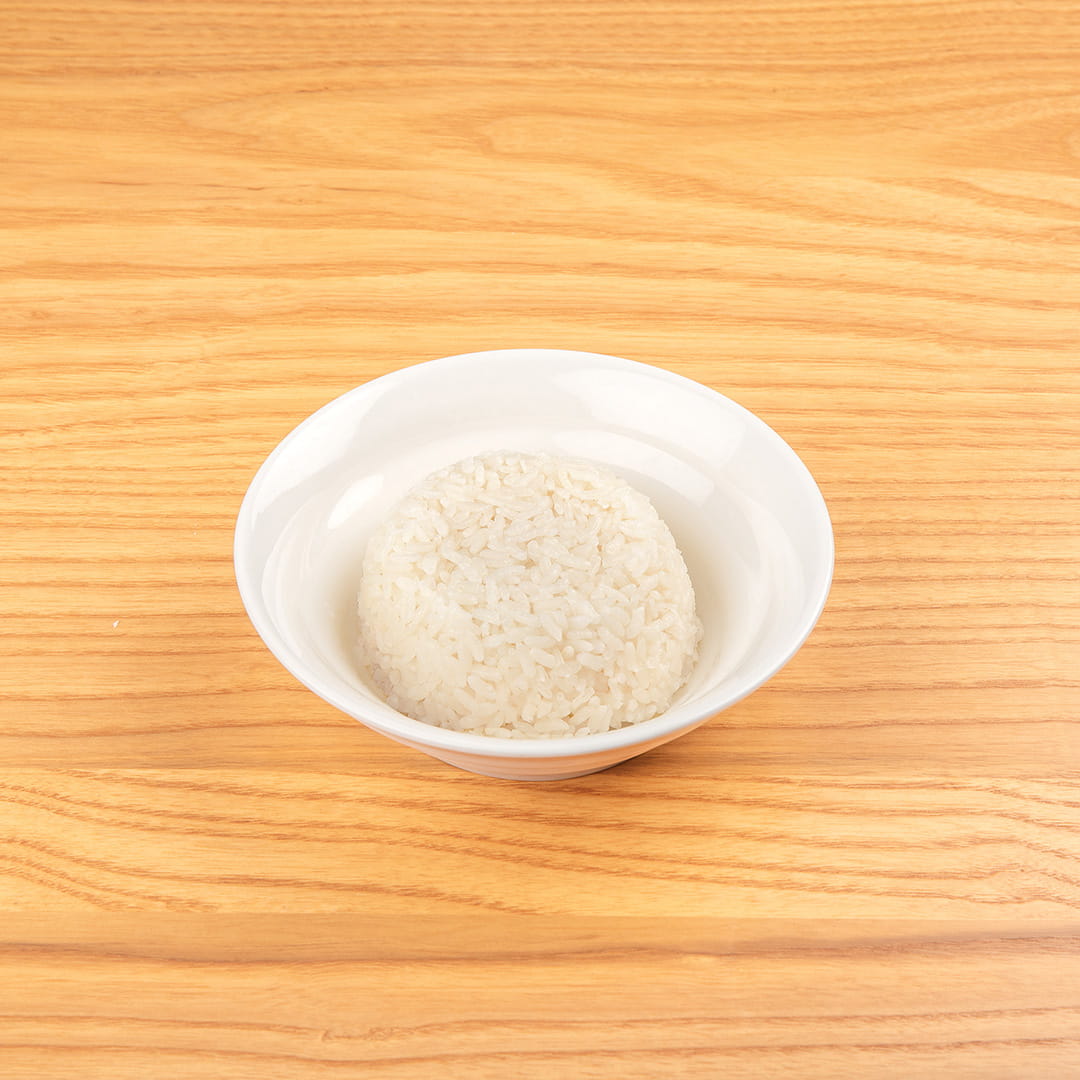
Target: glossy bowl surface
(744, 510)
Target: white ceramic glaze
(745, 511)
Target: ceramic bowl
(745, 511)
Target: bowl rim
(396, 725)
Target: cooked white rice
(526, 596)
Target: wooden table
(862, 221)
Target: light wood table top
(861, 221)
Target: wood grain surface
(862, 221)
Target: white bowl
(743, 508)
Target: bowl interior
(742, 507)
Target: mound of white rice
(526, 596)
